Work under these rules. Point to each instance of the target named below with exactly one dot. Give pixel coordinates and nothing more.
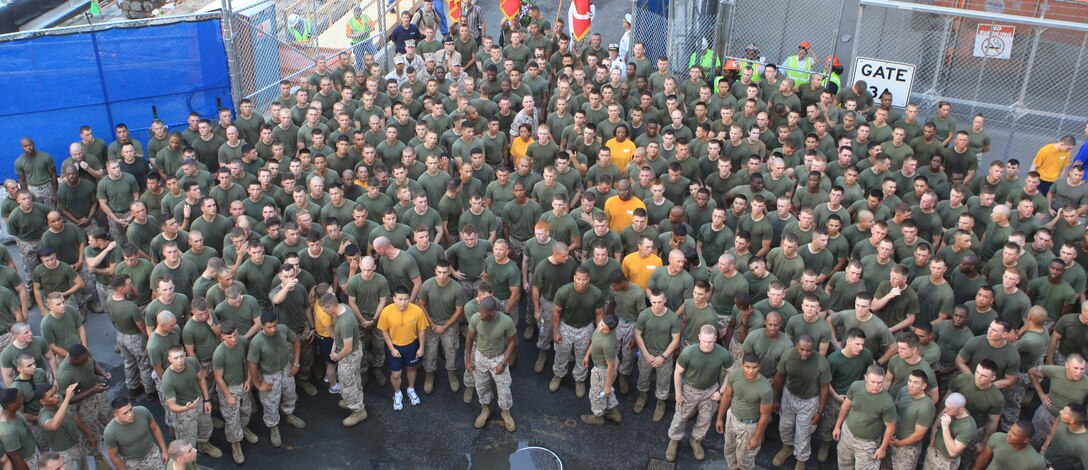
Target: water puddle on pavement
(519, 456)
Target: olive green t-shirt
(272, 353)
(869, 412)
(549, 277)
(877, 335)
(242, 316)
(469, 261)
(344, 327)
(69, 373)
(901, 370)
(962, 430)
(491, 335)
(1062, 390)
(695, 318)
(676, 287)
(368, 294)
(628, 303)
(63, 438)
(158, 346)
(1074, 335)
(657, 330)
(141, 279)
(702, 370)
(232, 361)
(133, 440)
(978, 348)
(36, 349)
(847, 370)
(125, 314)
(62, 332)
(1068, 446)
(16, 436)
(31, 402)
(179, 306)
(399, 271)
(579, 308)
(603, 348)
(982, 404)
(202, 338)
(912, 412)
(502, 277)
(818, 330)
(441, 301)
(748, 395)
(182, 386)
(770, 351)
(1006, 456)
(804, 378)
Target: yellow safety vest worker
(357, 27)
(302, 35)
(757, 68)
(707, 61)
(798, 69)
(833, 78)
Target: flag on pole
(95, 10)
(581, 17)
(510, 8)
(453, 13)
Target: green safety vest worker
(798, 69)
(301, 34)
(833, 78)
(706, 61)
(360, 28)
(757, 72)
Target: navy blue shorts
(324, 348)
(407, 357)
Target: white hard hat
(293, 20)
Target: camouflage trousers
(28, 250)
(95, 412)
(598, 401)
(795, 423)
(118, 232)
(351, 383)
(937, 461)
(448, 341)
(137, 365)
(695, 401)
(237, 416)
(968, 456)
(44, 193)
(856, 454)
(168, 416)
(470, 288)
(104, 292)
(574, 344)
(213, 388)
(517, 247)
(374, 345)
(827, 422)
(625, 336)
(151, 461)
(544, 326)
(5, 340)
(484, 372)
(1042, 420)
(194, 425)
(736, 350)
(88, 293)
(664, 375)
(40, 438)
(737, 434)
(282, 395)
(904, 458)
(1014, 397)
(75, 458)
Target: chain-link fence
(282, 39)
(777, 27)
(999, 65)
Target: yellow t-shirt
(403, 327)
(620, 212)
(638, 270)
(1049, 162)
(322, 321)
(518, 147)
(622, 152)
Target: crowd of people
(730, 244)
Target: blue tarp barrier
(100, 79)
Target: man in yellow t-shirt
(403, 326)
(620, 209)
(323, 338)
(640, 265)
(1051, 160)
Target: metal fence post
(385, 46)
(313, 27)
(854, 49)
(940, 55)
(1031, 63)
(838, 32)
(232, 50)
(1074, 81)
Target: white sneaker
(326, 379)
(398, 402)
(335, 389)
(413, 398)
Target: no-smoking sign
(994, 41)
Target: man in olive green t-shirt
(443, 301)
(657, 334)
(748, 397)
(696, 376)
(489, 344)
(231, 378)
(955, 430)
(1067, 385)
(602, 352)
(869, 415)
(273, 361)
(579, 305)
(1011, 450)
(348, 355)
(91, 403)
(186, 394)
(128, 441)
(801, 383)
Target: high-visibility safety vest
(708, 61)
(833, 78)
(798, 69)
(757, 68)
(303, 34)
(363, 24)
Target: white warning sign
(994, 41)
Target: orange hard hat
(805, 44)
(833, 61)
(732, 64)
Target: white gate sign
(882, 75)
(994, 41)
